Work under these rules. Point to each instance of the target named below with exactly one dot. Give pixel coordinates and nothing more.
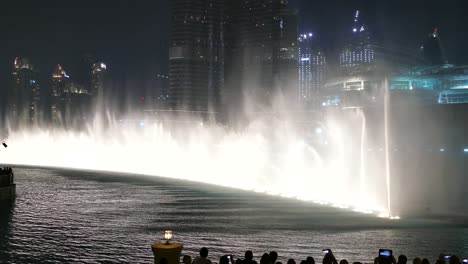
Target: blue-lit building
(312, 67)
(440, 84)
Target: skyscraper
(24, 103)
(312, 66)
(196, 54)
(60, 92)
(97, 78)
(261, 58)
(231, 49)
(358, 55)
(432, 50)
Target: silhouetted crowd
(328, 258)
(6, 177)
(6, 171)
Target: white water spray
(363, 151)
(267, 157)
(387, 151)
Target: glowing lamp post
(167, 236)
(167, 250)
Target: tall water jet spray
(362, 167)
(274, 157)
(387, 153)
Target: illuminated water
(275, 157)
(64, 216)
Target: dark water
(63, 216)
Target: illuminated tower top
(358, 53)
(60, 81)
(21, 63)
(360, 34)
(97, 79)
(60, 73)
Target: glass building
(24, 106)
(196, 54)
(312, 67)
(97, 78)
(440, 84)
(359, 54)
(60, 90)
(261, 50)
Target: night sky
(132, 36)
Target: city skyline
(135, 79)
(128, 37)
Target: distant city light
(465, 150)
(318, 130)
(354, 29)
(103, 65)
(305, 59)
(310, 34)
(142, 123)
(442, 150)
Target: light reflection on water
(63, 216)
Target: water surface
(66, 216)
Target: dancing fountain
(275, 157)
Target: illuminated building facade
(432, 50)
(225, 49)
(359, 55)
(196, 54)
(70, 100)
(261, 51)
(438, 84)
(99, 71)
(363, 68)
(24, 104)
(312, 67)
(60, 92)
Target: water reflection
(63, 216)
(6, 226)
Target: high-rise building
(312, 67)
(432, 50)
(24, 103)
(70, 100)
(261, 54)
(97, 78)
(196, 54)
(60, 91)
(231, 49)
(363, 67)
(359, 54)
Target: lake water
(66, 216)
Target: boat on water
(7, 184)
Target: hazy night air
(349, 106)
